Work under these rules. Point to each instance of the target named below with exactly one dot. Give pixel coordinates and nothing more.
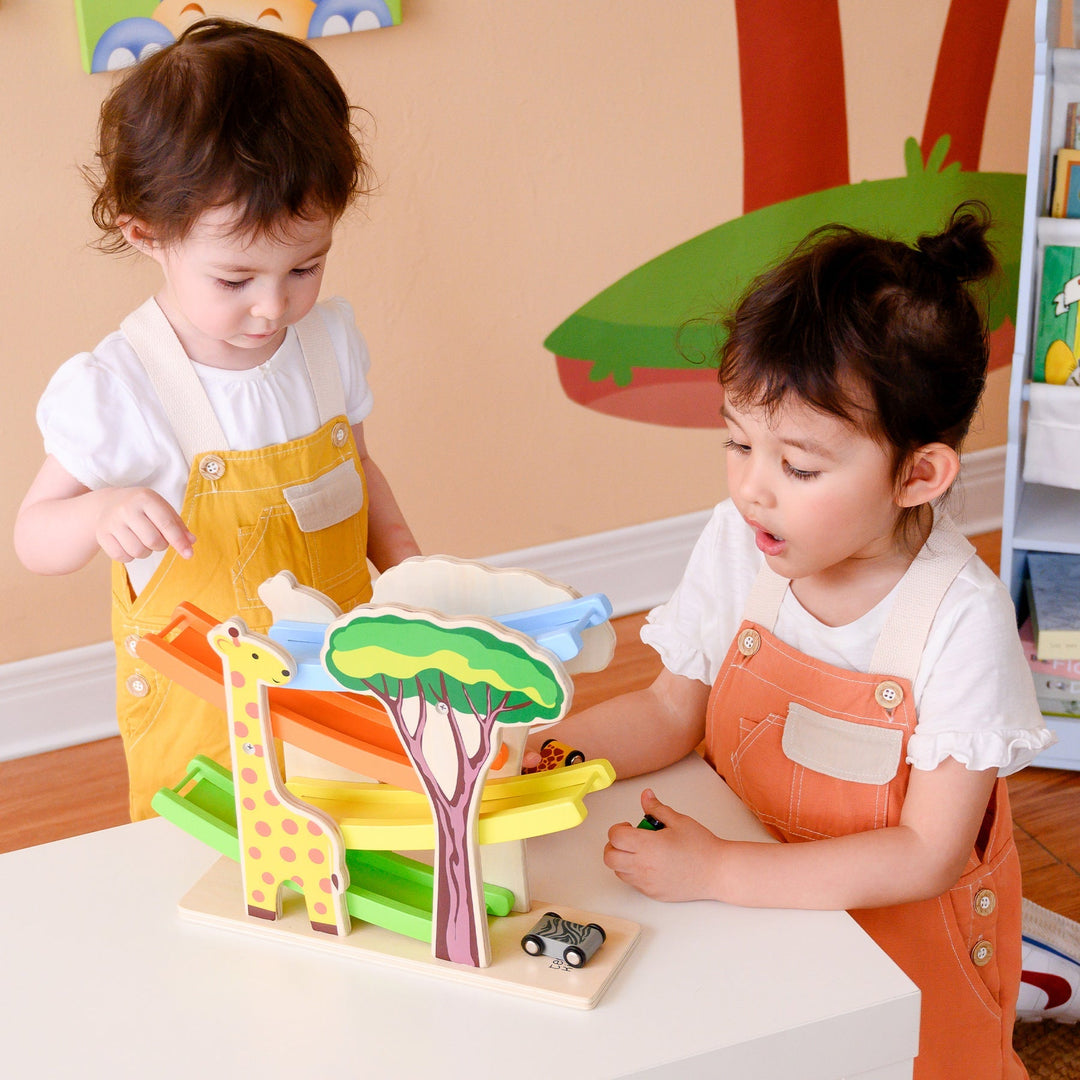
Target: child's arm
(640, 731)
(61, 524)
(390, 540)
(921, 857)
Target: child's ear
(929, 474)
(137, 234)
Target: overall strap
(177, 384)
(322, 366)
(900, 647)
(920, 592)
(187, 408)
(766, 595)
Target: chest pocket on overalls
(832, 776)
(326, 511)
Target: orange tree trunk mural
(794, 114)
(640, 349)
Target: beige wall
(530, 154)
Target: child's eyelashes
(794, 473)
(299, 272)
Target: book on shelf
(1057, 334)
(1057, 682)
(1072, 125)
(1053, 588)
(1065, 201)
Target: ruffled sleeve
(975, 695)
(93, 424)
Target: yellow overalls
(818, 751)
(299, 506)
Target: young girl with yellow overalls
(217, 437)
(851, 667)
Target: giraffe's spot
(249, 803)
(325, 885)
(240, 729)
(314, 829)
(288, 854)
(320, 908)
(298, 880)
(257, 896)
(254, 852)
(262, 828)
(271, 799)
(249, 776)
(268, 877)
(315, 855)
(252, 709)
(237, 678)
(290, 826)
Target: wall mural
(636, 351)
(118, 33)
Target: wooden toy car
(574, 943)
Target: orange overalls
(817, 751)
(299, 505)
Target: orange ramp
(348, 729)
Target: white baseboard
(62, 699)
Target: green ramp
(385, 889)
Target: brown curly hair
(230, 114)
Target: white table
(100, 977)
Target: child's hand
(137, 521)
(679, 862)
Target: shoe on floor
(1050, 976)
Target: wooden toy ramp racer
(442, 699)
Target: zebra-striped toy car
(574, 943)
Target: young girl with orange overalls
(218, 436)
(853, 670)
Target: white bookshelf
(1037, 517)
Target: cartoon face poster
(117, 33)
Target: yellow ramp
(379, 817)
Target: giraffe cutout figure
(281, 838)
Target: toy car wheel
(575, 757)
(599, 929)
(532, 944)
(574, 957)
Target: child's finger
(175, 533)
(655, 809)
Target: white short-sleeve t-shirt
(974, 695)
(101, 419)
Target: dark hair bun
(962, 250)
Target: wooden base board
(217, 900)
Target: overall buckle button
(339, 435)
(889, 694)
(749, 642)
(982, 952)
(985, 902)
(212, 467)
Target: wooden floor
(78, 790)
